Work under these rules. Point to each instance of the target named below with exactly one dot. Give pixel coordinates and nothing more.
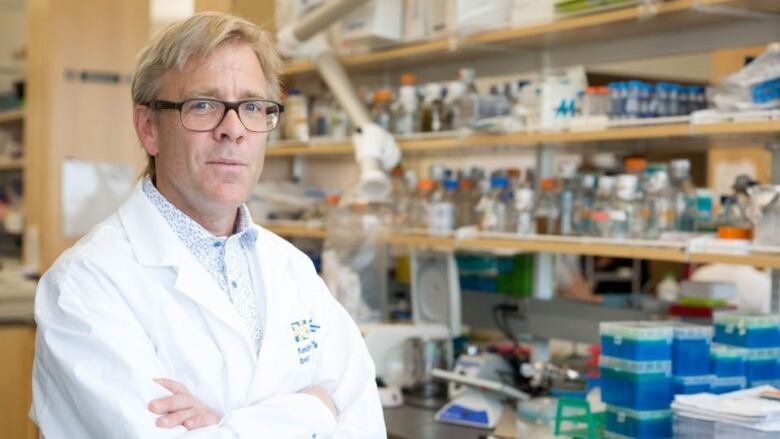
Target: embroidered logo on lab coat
(302, 332)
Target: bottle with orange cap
(547, 211)
(406, 109)
(421, 204)
(732, 221)
(380, 109)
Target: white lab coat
(129, 303)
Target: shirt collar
(189, 230)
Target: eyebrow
(213, 93)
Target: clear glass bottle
(524, 211)
(625, 216)
(568, 179)
(433, 109)
(466, 101)
(297, 116)
(494, 208)
(683, 195)
(658, 206)
(584, 197)
(732, 221)
(465, 203)
(400, 196)
(406, 109)
(547, 210)
(767, 229)
(441, 213)
(602, 207)
(381, 113)
(422, 201)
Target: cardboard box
(425, 19)
(375, 23)
(530, 12)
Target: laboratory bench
(411, 422)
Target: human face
(208, 173)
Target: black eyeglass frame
(171, 105)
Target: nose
(231, 128)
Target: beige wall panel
(214, 5)
(84, 120)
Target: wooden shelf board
(646, 252)
(11, 116)
(589, 248)
(305, 149)
(297, 232)
(762, 260)
(747, 127)
(11, 164)
(613, 24)
(521, 139)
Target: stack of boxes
(690, 359)
(757, 337)
(728, 368)
(644, 364)
(636, 378)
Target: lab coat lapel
(155, 244)
(195, 282)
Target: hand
(323, 395)
(181, 408)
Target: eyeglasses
(257, 115)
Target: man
(177, 316)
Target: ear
(145, 129)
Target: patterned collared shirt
(225, 258)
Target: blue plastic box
(636, 385)
(637, 341)
(692, 385)
(728, 361)
(691, 350)
(640, 425)
(728, 384)
(747, 330)
(763, 366)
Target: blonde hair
(195, 38)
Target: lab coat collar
(150, 236)
(155, 244)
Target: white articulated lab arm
(375, 149)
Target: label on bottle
(441, 217)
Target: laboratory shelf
(11, 116)
(670, 16)
(474, 141)
(509, 243)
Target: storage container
(636, 385)
(637, 341)
(639, 424)
(727, 361)
(748, 330)
(691, 350)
